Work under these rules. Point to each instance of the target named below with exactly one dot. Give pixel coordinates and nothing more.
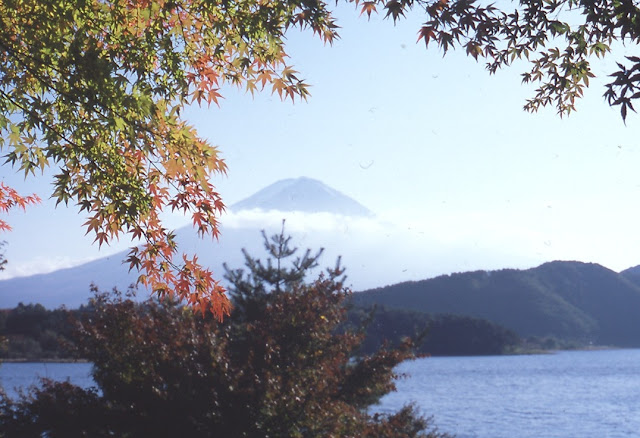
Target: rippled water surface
(567, 394)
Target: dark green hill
(435, 335)
(574, 301)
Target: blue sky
(432, 145)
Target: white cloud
(298, 221)
(41, 265)
(379, 251)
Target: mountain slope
(71, 286)
(632, 274)
(567, 300)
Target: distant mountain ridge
(576, 301)
(302, 194)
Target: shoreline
(515, 352)
(47, 360)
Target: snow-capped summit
(302, 194)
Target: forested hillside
(32, 332)
(580, 302)
(434, 335)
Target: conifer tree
(280, 366)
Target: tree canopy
(96, 90)
(556, 39)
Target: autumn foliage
(97, 90)
(9, 199)
(555, 40)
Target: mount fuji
(299, 201)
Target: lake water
(568, 394)
(23, 375)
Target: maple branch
(40, 120)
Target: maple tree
(555, 38)
(96, 89)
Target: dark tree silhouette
(277, 367)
